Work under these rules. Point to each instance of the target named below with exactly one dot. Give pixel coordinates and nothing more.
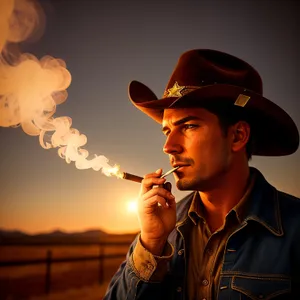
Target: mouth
(180, 166)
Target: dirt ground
(93, 292)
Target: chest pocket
(258, 288)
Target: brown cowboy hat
(205, 77)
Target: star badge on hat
(175, 90)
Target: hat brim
(275, 132)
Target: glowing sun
(132, 206)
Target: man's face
(195, 141)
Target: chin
(195, 184)
(185, 185)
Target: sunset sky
(107, 44)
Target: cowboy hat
(204, 77)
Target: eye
(190, 126)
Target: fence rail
(49, 260)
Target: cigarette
(139, 179)
(169, 172)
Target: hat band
(178, 91)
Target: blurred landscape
(59, 265)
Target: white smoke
(30, 89)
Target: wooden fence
(49, 260)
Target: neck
(219, 201)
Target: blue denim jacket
(261, 259)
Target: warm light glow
(132, 206)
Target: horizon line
(67, 231)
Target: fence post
(101, 263)
(48, 271)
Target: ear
(240, 135)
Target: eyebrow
(182, 121)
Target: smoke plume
(31, 88)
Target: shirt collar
(196, 210)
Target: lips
(179, 165)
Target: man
(235, 236)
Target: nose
(172, 145)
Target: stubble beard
(200, 183)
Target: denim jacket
(261, 258)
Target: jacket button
(205, 282)
(180, 252)
(179, 289)
(150, 267)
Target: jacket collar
(262, 206)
